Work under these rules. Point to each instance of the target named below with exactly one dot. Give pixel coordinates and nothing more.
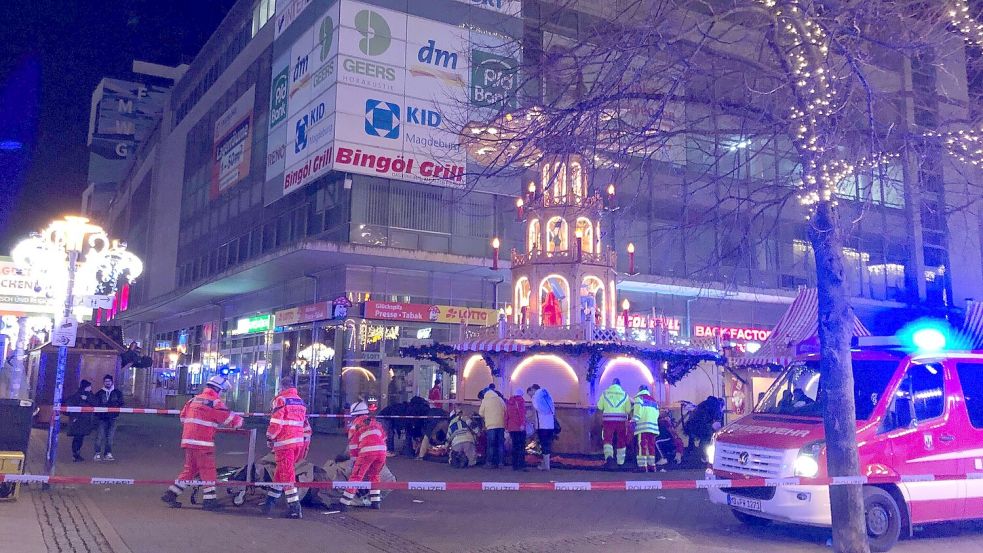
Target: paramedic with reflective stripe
(201, 418)
(367, 445)
(645, 415)
(287, 435)
(615, 408)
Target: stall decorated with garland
(563, 330)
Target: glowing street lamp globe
(73, 257)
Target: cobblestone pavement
(67, 526)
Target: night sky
(52, 55)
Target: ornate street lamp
(72, 259)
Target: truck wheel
(750, 520)
(882, 519)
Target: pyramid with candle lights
(565, 329)
(565, 276)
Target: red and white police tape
(436, 486)
(68, 409)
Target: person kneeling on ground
(461, 436)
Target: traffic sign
(96, 301)
(65, 332)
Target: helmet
(359, 408)
(219, 383)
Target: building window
(262, 13)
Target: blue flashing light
(10, 145)
(929, 339)
(928, 336)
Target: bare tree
(630, 81)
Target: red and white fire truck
(918, 415)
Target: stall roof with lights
(799, 324)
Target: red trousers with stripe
(286, 457)
(611, 430)
(646, 444)
(367, 468)
(199, 464)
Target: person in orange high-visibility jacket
(288, 438)
(367, 445)
(308, 434)
(615, 407)
(201, 418)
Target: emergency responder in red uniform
(615, 408)
(286, 435)
(367, 446)
(201, 417)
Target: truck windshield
(797, 390)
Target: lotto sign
(232, 145)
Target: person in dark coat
(82, 424)
(108, 396)
(703, 422)
(391, 421)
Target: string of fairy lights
(805, 47)
(962, 19)
(966, 145)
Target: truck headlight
(806, 466)
(807, 462)
(710, 451)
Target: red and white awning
(514, 346)
(799, 324)
(973, 323)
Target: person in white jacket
(542, 404)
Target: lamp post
(625, 306)
(631, 258)
(518, 209)
(72, 257)
(495, 244)
(579, 233)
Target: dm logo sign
(381, 119)
(493, 79)
(278, 97)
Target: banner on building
(303, 314)
(378, 92)
(19, 295)
(426, 313)
(232, 144)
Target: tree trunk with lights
(840, 419)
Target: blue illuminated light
(929, 339)
(929, 336)
(10, 145)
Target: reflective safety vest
(459, 431)
(645, 414)
(288, 420)
(614, 404)
(366, 436)
(201, 418)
